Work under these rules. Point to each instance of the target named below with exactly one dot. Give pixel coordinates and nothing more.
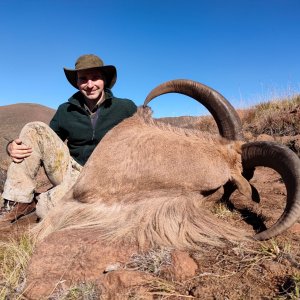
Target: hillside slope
(13, 117)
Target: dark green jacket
(72, 122)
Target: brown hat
(91, 61)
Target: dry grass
(257, 262)
(219, 266)
(82, 291)
(160, 288)
(222, 211)
(14, 256)
(276, 117)
(279, 118)
(152, 261)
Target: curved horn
(287, 164)
(227, 119)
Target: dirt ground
(256, 270)
(252, 270)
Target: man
(82, 121)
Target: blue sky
(248, 50)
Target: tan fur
(143, 184)
(174, 220)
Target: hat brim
(109, 72)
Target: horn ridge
(227, 119)
(287, 164)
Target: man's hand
(18, 151)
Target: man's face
(91, 84)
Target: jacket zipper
(94, 122)
(93, 136)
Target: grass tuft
(151, 262)
(14, 257)
(222, 211)
(275, 250)
(276, 118)
(82, 290)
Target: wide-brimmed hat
(91, 61)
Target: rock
(67, 257)
(71, 257)
(295, 228)
(183, 266)
(125, 284)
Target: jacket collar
(78, 99)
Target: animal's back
(136, 155)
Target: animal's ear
(238, 146)
(243, 185)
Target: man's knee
(35, 126)
(40, 134)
